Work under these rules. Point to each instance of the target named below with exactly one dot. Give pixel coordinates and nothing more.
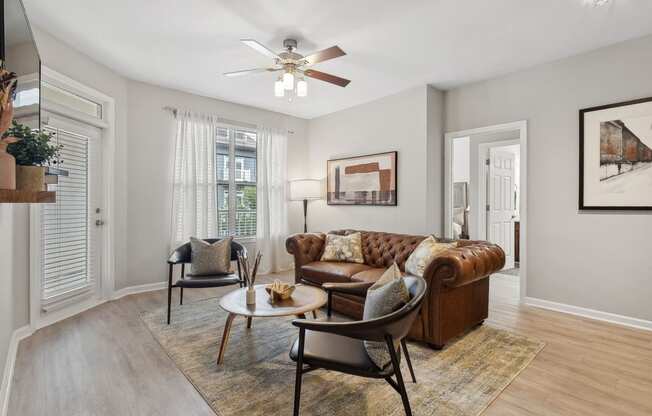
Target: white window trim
(107, 280)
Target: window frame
(232, 182)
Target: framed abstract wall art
(616, 156)
(362, 180)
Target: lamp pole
(305, 215)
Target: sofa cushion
(328, 271)
(387, 295)
(346, 248)
(428, 250)
(210, 258)
(368, 276)
(384, 249)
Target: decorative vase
(251, 296)
(30, 178)
(7, 168)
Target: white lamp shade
(279, 91)
(302, 88)
(288, 81)
(301, 189)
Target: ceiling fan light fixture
(288, 81)
(293, 67)
(302, 88)
(279, 90)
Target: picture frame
(365, 180)
(615, 156)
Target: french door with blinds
(70, 263)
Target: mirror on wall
(21, 56)
(461, 180)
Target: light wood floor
(105, 362)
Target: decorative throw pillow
(207, 259)
(426, 251)
(343, 248)
(387, 295)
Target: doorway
(486, 194)
(71, 261)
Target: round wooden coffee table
(304, 299)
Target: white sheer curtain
(194, 206)
(272, 219)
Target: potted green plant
(33, 150)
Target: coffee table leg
(314, 314)
(248, 322)
(225, 338)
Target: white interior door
(501, 202)
(70, 229)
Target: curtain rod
(175, 110)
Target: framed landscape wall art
(362, 180)
(616, 156)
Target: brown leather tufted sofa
(458, 281)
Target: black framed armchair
(182, 256)
(339, 346)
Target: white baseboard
(8, 374)
(132, 290)
(590, 313)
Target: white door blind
(65, 238)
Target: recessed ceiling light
(596, 3)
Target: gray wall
(399, 122)
(592, 260)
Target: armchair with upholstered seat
(183, 255)
(339, 346)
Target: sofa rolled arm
(465, 264)
(305, 248)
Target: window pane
(245, 139)
(222, 210)
(236, 149)
(223, 197)
(222, 165)
(245, 156)
(78, 103)
(245, 217)
(223, 137)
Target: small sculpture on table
(279, 291)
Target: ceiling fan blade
(323, 76)
(259, 47)
(249, 71)
(326, 54)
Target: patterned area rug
(257, 377)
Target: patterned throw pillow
(428, 250)
(387, 295)
(343, 248)
(208, 259)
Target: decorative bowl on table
(279, 291)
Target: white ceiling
(391, 45)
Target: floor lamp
(305, 190)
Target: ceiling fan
(294, 66)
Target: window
(71, 100)
(236, 182)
